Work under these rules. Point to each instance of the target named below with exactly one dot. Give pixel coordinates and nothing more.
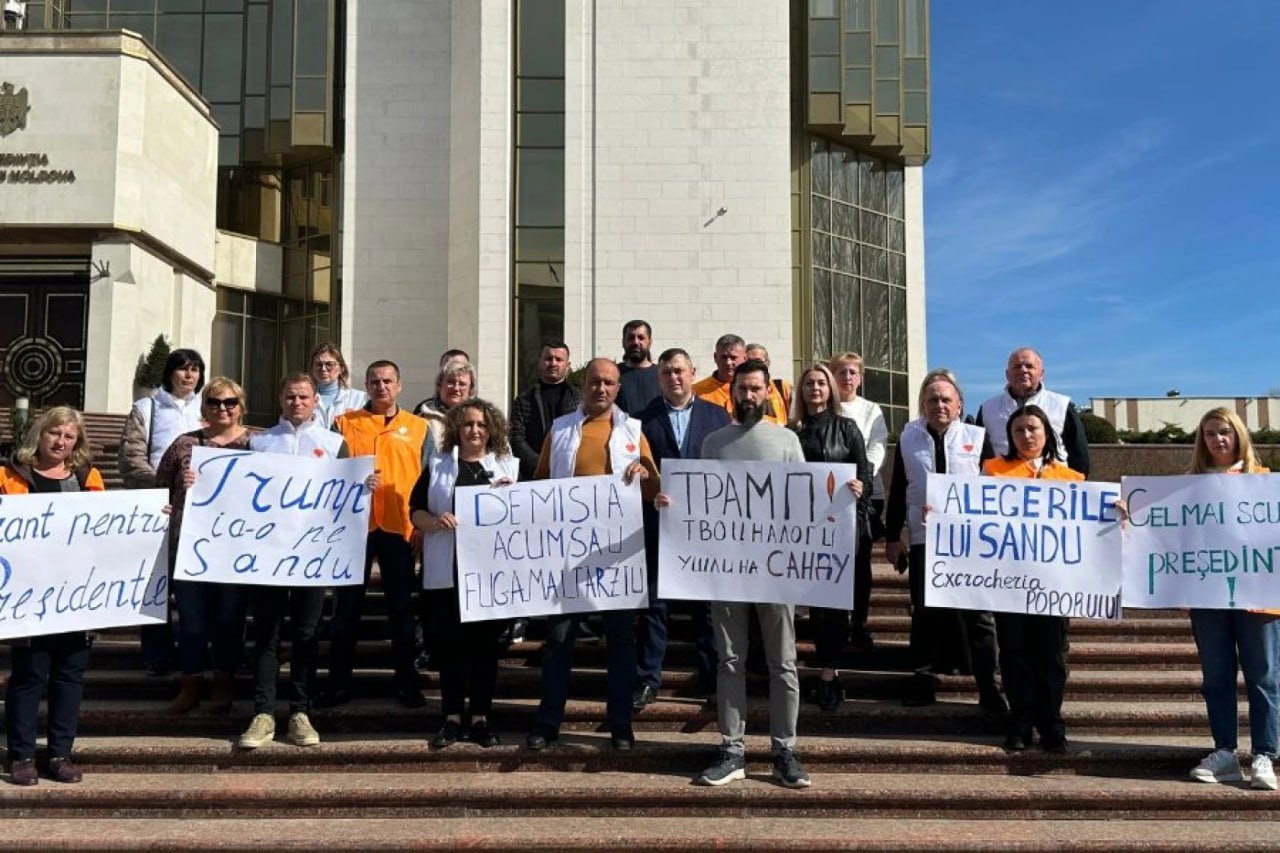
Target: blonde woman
(334, 394)
(53, 458)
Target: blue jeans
(1223, 639)
(55, 661)
(210, 617)
(557, 663)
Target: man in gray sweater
(751, 439)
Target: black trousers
(862, 582)
(395, 564)
(271, 604)
(1033, 661)
(943, 637)
(56, 660)
(468, 656)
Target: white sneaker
(1264, 775)
(301, 732)
(262, 729)
(1221, 765)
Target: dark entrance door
(44, 331)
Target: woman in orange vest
(1033, 648)
(53, 457)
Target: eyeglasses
(227, 403)
(326, 365)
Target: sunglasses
(223, 403)
(326, 365)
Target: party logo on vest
(13, 109)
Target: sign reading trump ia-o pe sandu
(1013, 545)
(270, 519)
(1206, 540)
(82, 561)
(548, 547)
(764, 532)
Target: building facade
(494, 174)
(1139, 414)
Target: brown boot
(223, 692)
(188, 694)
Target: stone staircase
(885, 777)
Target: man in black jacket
(533, 411)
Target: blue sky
(1105, 187)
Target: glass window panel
(900, 390)
(875, 263)
(915, 108)
(893, 177)
(255, 112)
(824, 38)
(873, 228)
(539, 275)
(897, 236)
(857, 14)
(129, 6)
(820, 214)
(887, 62)
(915, 74)
(228, 118)
(844, 221)
(281, 102)
(844, 257)
(838, 178)
(225, 356)
(540, 187)
(174, 5)
(914, 35)
(875, 383)
(282, 42)
(143, 25)
(822, 310)
(887, 98)
(897, 418)
(178, 38)
(846, 316)
(224, 5)
(887, 21)
(311, 94)
(223, 42)
(542, 130)
(540, 38)
(821, 250)
(824, 74)
(88, 6)
(857, 49)
(541, 95)
(538, 320)
(822, 8)
(259, 379)
(255, 51)
(875, 323)
(312, 45)
(871, 192)
(857, 86)
(819, 169)
(86, 22)
(898, 269)
(540, 244)
(847, 162)
(897, 329)
(228, 150)
(230, 300)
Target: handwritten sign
(1044, 547)
(766, 532)
(81, 561)
(1207, 540)
(269, 519)
(552, 546)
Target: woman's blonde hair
(218, 385)
(58, 416)
(1202, 461)
(799, 411)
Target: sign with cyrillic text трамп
(82, 561)
(548, 547)
(1013, 545)
(763, 532)
(270, 519)
(1202, 540)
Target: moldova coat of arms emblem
(13, 109)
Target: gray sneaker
(729, 768)
(262, 728)
(788, 770)
(301, 732)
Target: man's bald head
(600, 387)
(1024, 372)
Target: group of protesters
(624, 419)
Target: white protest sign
(551, 546)
(1206, 540)
(81, 561)
(1013, 545)
(765, 532)
(270, 519)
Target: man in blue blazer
(674, 425)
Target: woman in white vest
(474, 451)
(298, 433)
(334, 394)
(153, 423)
(939, 441)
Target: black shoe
(481, 735)
(333, 698)
(1016, 742)
(23, 772)
(411, 697)
(624, 741)
(644, 697)
(1054, 744)
(62, 770)
(422, 662)
(540, 740)
(710, 702)
(449, 734)
(830, 694)
(158, 668)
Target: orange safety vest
(717, 393)
(1001, 467)
(397, 450)
(13, 481)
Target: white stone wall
(248, 264)
(675, 110)
(395, 187)
(917, 342)
(1185, 412)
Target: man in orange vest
(397, 439)
(731, 350)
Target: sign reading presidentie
(269, 519)
(1014, 545)
(1206, 540)
(552, 546)
(766, 532)
(80, 561)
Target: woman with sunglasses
(334, 394)
(210, 615)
